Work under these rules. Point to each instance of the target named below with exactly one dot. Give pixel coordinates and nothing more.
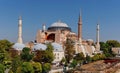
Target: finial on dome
(59, 21)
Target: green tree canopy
(79, 56)
(45, 56)
(5, 45)
(16, 62)
(39, 56)
(2, 68)
(69, 50)
(46, 67)
(27, 68)
(49, 56)
(113, 43)
(37, 67)
(73, 64)
(106, 47)
(26, 55)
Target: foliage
(39, 55)
(2, 57)
(26, 55)
(113, 43)
(10, 71)
(13, 53)
(5, 45)
(16, 62)
(106, 47)
(7, 64)
(27, 68)
(79, 56)
(98, 57)
(37, 67)
(49, 56)
(69, 50)
(19, 69)
(62, 62)
(2, 68)
(88, 59)
(45, 56)
(74, 63)
(46, 67)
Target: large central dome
(59, 26)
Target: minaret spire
(20, 30)
(43, 27)
(80, 28)
(97, 38)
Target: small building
(116, 50)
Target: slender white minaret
(43, 27)
(20, 30)
(97, 38)
(80, 28)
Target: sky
(37, 12)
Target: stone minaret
(43, 27)
(20, 30)
(97, 38)
(80, 28)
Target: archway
(51, 37)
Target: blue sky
(37, 12)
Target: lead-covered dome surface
(18, 46)
(59, 26)
(39, 46)
(57, 47)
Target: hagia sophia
(57, 35)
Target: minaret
(43, 27)
(20, 30)
(97, 38)
(80, 28)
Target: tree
(69, 50)
(5, 45)
(46, 67)
(27, 68)
(2, 57)
(10, 71)
(16, 62)
(74, 63)
(106, 47)
(2, 68)
(39, 55)
(37, 67)
(79, 58)
(19, 69)
(88, 59)
(49, 56)
(113, 43)
(62, 62)
(13, 53)
(26, 55)
(98, 57)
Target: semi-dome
(57, 47)
(59, 26)
(39, 46)
(18, 46)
